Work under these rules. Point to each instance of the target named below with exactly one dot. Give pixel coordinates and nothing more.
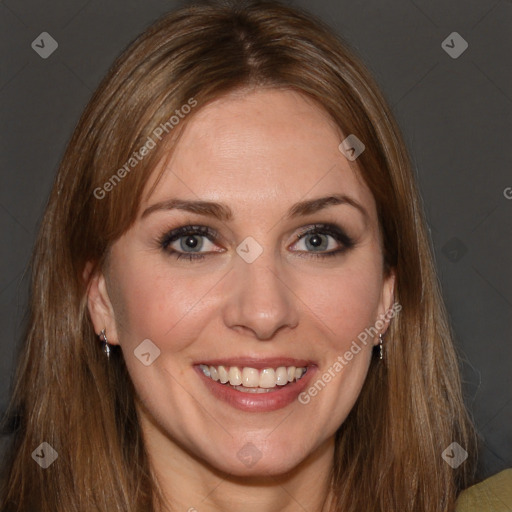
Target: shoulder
(492, 495)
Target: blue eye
(188, 241)
(324, 240)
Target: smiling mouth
(252, 380)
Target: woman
(233, 296)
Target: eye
(323, 240)
(191, 242)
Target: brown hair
(65, 392)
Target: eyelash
(317, 229)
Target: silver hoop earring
(381, 347)
(106, 346)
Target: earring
(381, 347)
(106, 346)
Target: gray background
(455, 113)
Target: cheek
(345, 304)
(156, 303)
(346, 301)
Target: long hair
(388, 453)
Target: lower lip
(277, 398)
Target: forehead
(268, 145)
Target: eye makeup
(191, 241)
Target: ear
(386, 302)
(99, 304)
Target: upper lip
(257, 362)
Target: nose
(260, 301)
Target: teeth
(223, 374)
(267, 379)
(214, 374)
(235, 376)
(250, 378)
(245, 379)
(282, 376)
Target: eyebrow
(223, 212)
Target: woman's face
(214, 274)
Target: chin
(261, 468)
(251, 459)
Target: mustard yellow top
(491, 495)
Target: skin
(258, 152)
